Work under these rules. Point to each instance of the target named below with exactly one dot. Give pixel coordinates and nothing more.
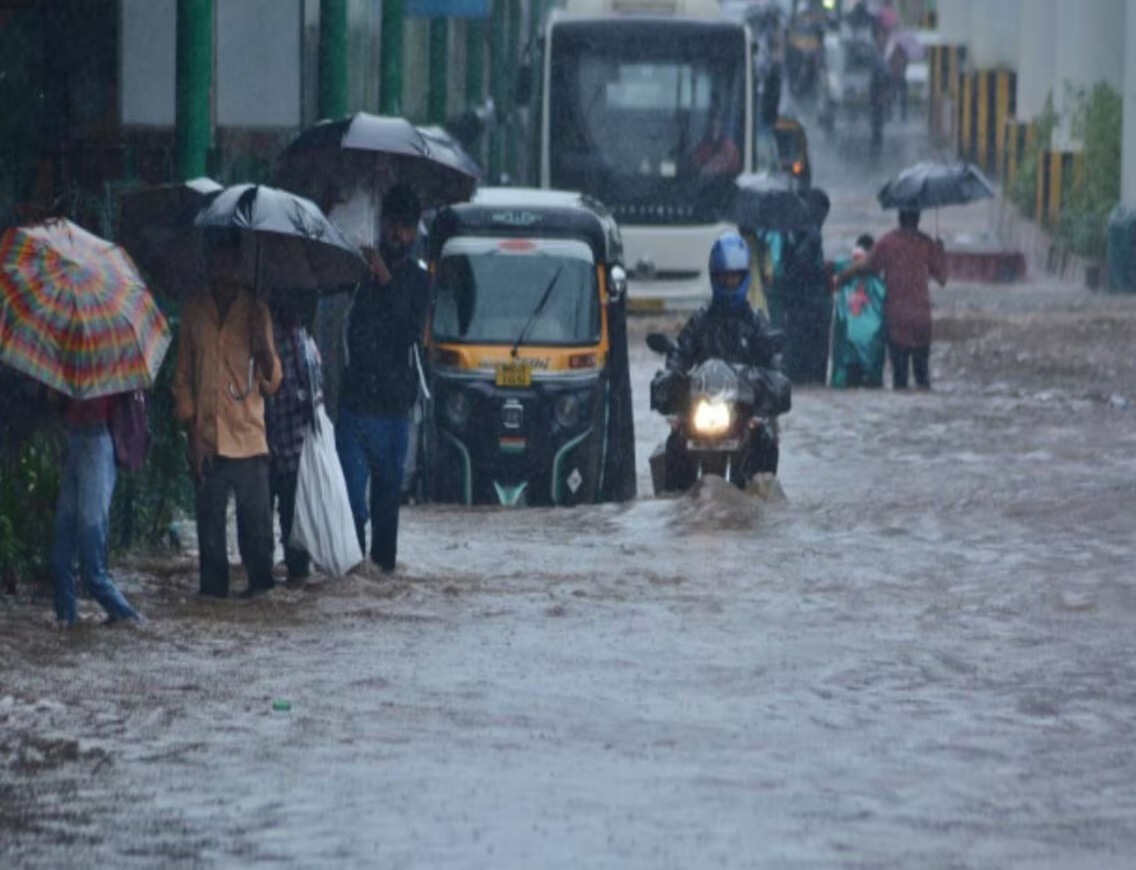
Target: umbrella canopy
(75, 314)
(153, 224)
(333, 157)
(295, 246)
(930, 185)
(766, 202)
(447, 149)
(910, 43)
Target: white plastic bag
(323, 524)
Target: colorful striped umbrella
(75, 314)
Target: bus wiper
(536, 311)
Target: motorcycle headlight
(711, 418)
(457, 408)
(567, 410)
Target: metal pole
(439, 63)
(333, 59)
(516, 43)
(390, 91)
(194, 108)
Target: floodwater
(921, 656)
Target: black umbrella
(930, 185)
(296, 247)
(154, 223)
(332, 158)
(766, 202)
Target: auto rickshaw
(527, 350)
(793, 151)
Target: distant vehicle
(787, 152)
(853, 68)
(627, 91)
(919, 71)
(527, 343)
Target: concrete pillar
(1090, 49)
(955, 21)
(1037, 47)
(994, 33)
(1128, 150)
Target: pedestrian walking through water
(226, 365)
(908, 259)
(381, 378)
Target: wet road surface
(922, 656)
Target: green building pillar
(439, 64)
(333, 59)
(497, 87)
(194, 108)
(474, 62)
(390, 89)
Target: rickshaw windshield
(487, 289)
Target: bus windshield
(650, 115)
(488, 289)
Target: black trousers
(919, 358)
(247, 479)
(282, 489)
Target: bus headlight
(712, 418)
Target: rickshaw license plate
(514, 375)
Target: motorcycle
(723, 418)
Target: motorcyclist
(729, 329)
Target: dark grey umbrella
(295, 246)
(332, 158)
(767, 202)
(931, 185)
(154, 224)
(447, 149)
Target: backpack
(130, 431)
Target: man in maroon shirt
(907, 259)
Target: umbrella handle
(235, 392)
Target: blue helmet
(729, 269)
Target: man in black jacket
(380, 381)
(729, 329)
(807, 298)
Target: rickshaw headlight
(567, 410)
(712, 418)
(457, 408)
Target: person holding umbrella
(907, 258)
(381, 378)
(76, 316)
(226, 340)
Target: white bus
(628, 91)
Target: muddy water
(922, 656)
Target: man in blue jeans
(380, 381)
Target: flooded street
(922, 656)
